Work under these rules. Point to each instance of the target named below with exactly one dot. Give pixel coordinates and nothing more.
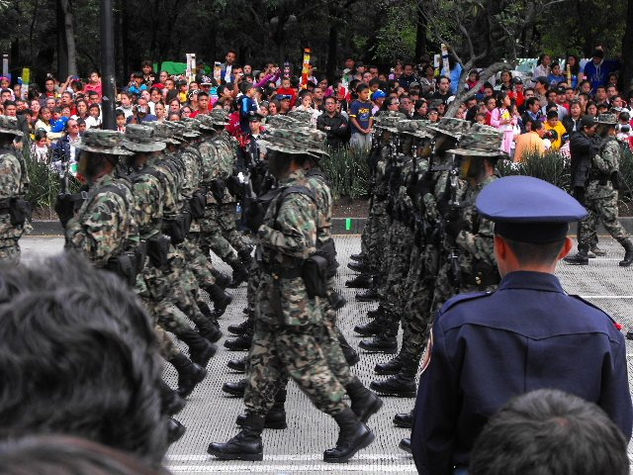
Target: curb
(339, 226)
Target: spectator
(532, 112)
(572, 121)
(94, 84)
(556, 76)
(64, 153)
(572, 66)
(542, 68)
(94, 117)
(226, 71)
(40, 147)
(597, 70)
(530, 143)
(378, 99)
(106, 386)
(505, 83)
(443, 89)
(361, 119)
(555, 130)
(550, 432)
(421, 109)
(202, 103)
(502, 119)
(454, 73)
(333, 124)
(592, 109)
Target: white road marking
(290, 458)
(589, 297)
(255, 467)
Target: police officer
(490, 346)
(14, 182)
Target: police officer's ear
(567, 247)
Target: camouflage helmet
(177, 129)
(219, 116)
(278, 121)
(190, 128)
(388, 120)
(288, 141)
(450, 126)
(480, 144)
(142, 138)
(416, 128)
(164, 131)
(485, 129)
(607, 119)
(206, 123)
(9, 125)
(302, 117)
(313, 140)
(108, 142)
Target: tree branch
(463, 96)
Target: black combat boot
(581, 258)
(628, 253)
(405, 444)
(381, 343)
(358, 267)
(240, 274)
(235, 389)
(372, 328)
(175, 430)
(398, 385)
(597, 251)
(247, 445)
(361, 281)
(404, 420)
(276, 417)
(364, 403)
(221, 278)
(171, 402)
(189, 374)
(245, 255)
(241, 328)
(354, 435)
(358, 257)
(201, 350)
(337, 301)
(209, 329)
(368, 296)
(393, 366)
(220, 299)
(378, 312)
(238, 365)
(350, 354)
(239, 343)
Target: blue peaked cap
(528, 209)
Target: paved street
(209, 415)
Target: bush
(44, 188)
(348, 173)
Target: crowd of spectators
(536, 113)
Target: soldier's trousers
(377, 238)
(396, 268)
(279, 350)
(197, 262)
(227, 221)
(212, 237)
(604, 210)
(11, 252)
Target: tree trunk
(332, 47)
(62, 44)
(420, 35)
(69, 29)
(627, 45)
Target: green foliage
(44, 187)
(552, 167)
(348, 173)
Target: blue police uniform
(529, 334)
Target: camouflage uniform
(288, 320)
(14, 183)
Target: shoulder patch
(618, 326)
(460, 298)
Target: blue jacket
(489, 347)
(599, 75)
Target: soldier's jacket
(14, 182)
(316, 181)
(287, 237)
(105, 225)
(476, 240)
(605, 163)
(193, 171)
(149, 194)
(219, 156)
(381, 188)
(172, 193)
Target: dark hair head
(361, 87)
(78, 357)
(550, 432)
(62, 455)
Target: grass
(348, 173)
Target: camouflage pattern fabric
(284, 339)
(14, 183)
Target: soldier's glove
(426, 184)
(217, 188)
(454, 223)
(616, 179)
(64, 207)
(235, 186)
